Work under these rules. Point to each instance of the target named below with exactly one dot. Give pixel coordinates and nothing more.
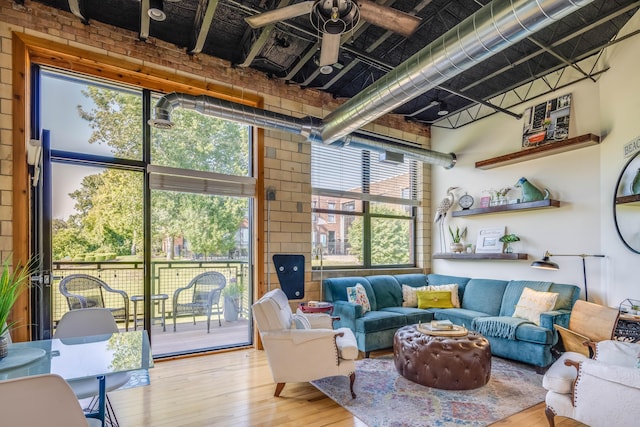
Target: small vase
(508, 249)
(457, 248)
(4, 347)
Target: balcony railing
(167, 276)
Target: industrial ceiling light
(156, 10)
(443, 111)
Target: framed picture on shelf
(489, 240)
(485, 201)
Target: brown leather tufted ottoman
(449, 363)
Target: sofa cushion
(484, 296)
(532, 303)
(335, 289)
(535, 334)
(357, 295)
(459, 316)
(387, 290)
(443, 279)
(453, 288)
(413, 315)
(409, 296)
(434, 299)
(414, 279)
(375, 321)
(513, 292)
(567, 295)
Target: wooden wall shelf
(624, 200)
(538, 204)
(540, 151)
(511, 256)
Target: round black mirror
(626, 204)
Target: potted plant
(232, 295)
(508, 239)
(456, 239)
(12, 282)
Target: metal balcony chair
(206, 289)
(84, 291)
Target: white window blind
(190, 181)
(353, 173)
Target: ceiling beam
(202, 24)
(263, 38)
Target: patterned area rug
(386, 399)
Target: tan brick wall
(287, 156)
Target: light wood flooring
(235, 388)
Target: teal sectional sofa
(483, 302)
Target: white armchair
(297, 350)
(602, 391)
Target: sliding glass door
(156, 215)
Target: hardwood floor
(235, 388)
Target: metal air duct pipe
(490, 30)
(306, 127)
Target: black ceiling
(289, 50)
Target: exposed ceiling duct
(490, 30)
(271, 120)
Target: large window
(363, 208)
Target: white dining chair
(41, 400)
(88, 322)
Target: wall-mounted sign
(631, 147)
(546, 122)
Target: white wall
(583, 180)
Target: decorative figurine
(635, 184)
(531, 193)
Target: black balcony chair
(84, 291)
(206, 289)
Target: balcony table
(155, 298)
(81, 357)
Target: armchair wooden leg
(279, 388)
(550, 416)
(352, 379)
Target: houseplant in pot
(456, 239)
(232, 295)
(508, 239)
(12, 282)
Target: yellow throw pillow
(453, 288)
(532, 303)
(434, 299)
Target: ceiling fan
(335, 17)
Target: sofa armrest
(556, 317)
(348, 312)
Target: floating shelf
(511, 256)
(538, 204)
(540, 151)
(624, 200)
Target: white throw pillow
(532, 303)
(453, 288)
(409, 296)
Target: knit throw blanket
(501, 327)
